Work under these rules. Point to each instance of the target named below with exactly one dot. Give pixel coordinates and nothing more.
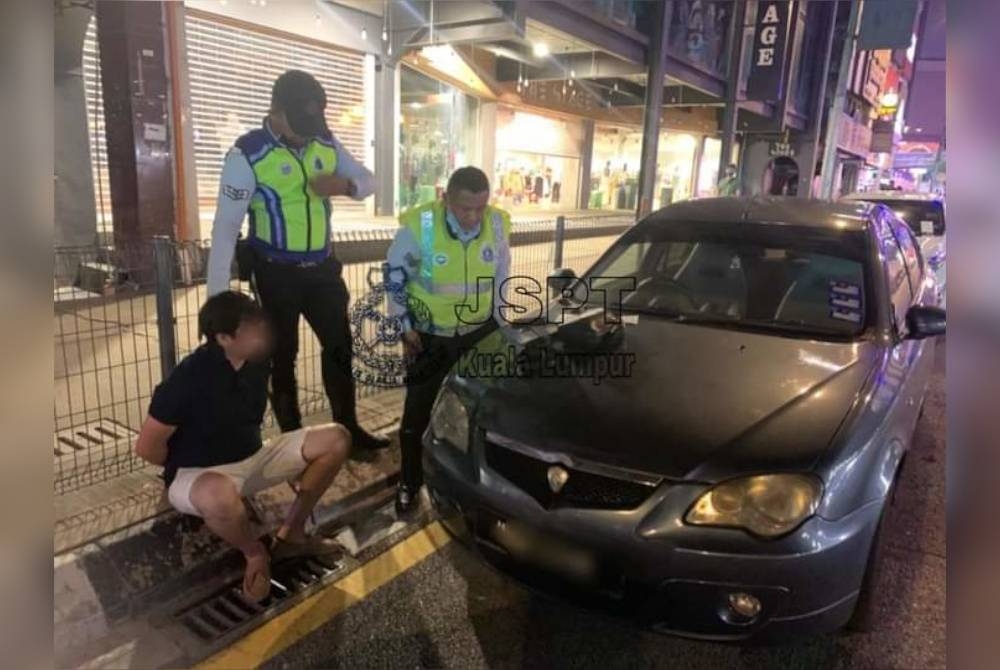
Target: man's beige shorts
(279, 460)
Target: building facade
(567, 105)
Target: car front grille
(582, 489)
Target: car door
(905, 370)
(923, 294)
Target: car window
(911, 255)
(895, 270)
(924, 217)
(799, 280)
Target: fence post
(163, 263)
(560, 235)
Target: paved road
(451, 611)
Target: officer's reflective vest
(288, 220)
(444, 289)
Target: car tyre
(864, 617)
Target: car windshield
(925, 217)
(792, 280)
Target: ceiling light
(364, 33)
(920, 130)
(540, 49)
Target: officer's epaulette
(255, 144)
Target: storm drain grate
(226, 610)
(100, 434)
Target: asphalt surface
(451, 611)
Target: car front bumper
(648, 565)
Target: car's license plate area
(537, 549)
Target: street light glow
(540, 49)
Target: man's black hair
(468, 178)
(223, 313)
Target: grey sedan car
(705, 433)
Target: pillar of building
(386, 136)
(586, 166)
(730, 111)
(655, 81)
(132, 40)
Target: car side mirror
(924, 321)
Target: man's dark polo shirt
(217, 410)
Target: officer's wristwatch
(352, 188)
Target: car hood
(699, 402)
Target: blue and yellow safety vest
(288, 220)
(450, 282)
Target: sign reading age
(767, 67)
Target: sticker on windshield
(845, 301)
(926, 227)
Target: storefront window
(674, 168)
(708, 170)
(615, 163)
(438, 128)
(537, 161)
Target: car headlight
(450, 420)
(765, 505)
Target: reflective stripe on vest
(445, 259)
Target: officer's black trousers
(320, 295)
(425, 375)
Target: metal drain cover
(226, 611)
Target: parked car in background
(924, 213)
(735, 482)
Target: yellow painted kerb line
(289, 627)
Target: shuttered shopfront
(231, 69)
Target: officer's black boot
(411, 474)
(406, 500)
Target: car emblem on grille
(557, 477)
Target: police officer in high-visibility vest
(284, 173)
(453, 256)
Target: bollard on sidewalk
(560, 238)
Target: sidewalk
(124, 558)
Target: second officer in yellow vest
(453, 256)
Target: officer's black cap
(301, 97)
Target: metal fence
(123, 317)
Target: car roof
(881, 196)
(769, 209)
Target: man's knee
(331, 442)
(214, 494)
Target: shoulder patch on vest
(254, 144)
(487, 254)
(286, 169)
(318, 163)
